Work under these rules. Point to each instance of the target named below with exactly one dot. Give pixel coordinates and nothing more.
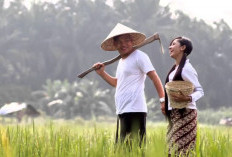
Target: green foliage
(14, 93)
(97, 140)
(68, 100)
(211, 116)
(154, 111)
(57, 41)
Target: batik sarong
(182, 129)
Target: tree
(58, 41)
(68, 100)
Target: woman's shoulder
(188, 67)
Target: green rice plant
(92, 139)
(214, 141)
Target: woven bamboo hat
(120, 29)
(174, 88)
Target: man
(131, 73)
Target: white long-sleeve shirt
(189, 74)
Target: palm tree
(65, 100)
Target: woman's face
(175, 49)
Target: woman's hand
(181, 97)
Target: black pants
(133, 126)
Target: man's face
(124, 45)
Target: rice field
(94, 139)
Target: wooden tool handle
(145, 42)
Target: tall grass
(97, 140)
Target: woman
(182, 127)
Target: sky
(208, 10)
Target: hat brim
(108, 44)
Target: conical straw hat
(120, 29)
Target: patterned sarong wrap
(182, 129)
